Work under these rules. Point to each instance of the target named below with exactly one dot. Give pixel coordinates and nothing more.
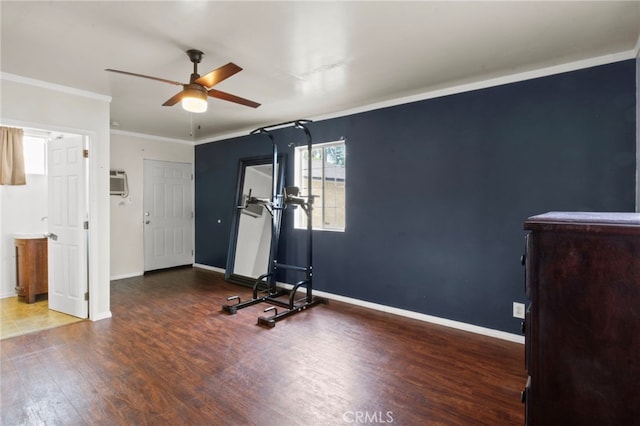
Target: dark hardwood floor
(170, 357)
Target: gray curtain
(11, 157)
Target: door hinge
(86, 296)
(191, 215)
(86, 224)
(191, 176)
(85, 153)
(192, 252)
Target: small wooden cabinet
(31, 267)
(582, 328)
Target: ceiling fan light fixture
(194, 98)
(194, 95)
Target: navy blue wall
(437, 190)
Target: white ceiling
(300, 59)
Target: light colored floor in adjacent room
(18, 317)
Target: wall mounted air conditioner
(118, 183)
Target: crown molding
(482, 84)
(52, 86)
(151, 137)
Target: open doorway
(27, 212)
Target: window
(34, 149)
(328, 185)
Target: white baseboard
(100, 316)
(123, 276)
(141, 273)
(498, 334)
(209, 268)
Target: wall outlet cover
(518, 310)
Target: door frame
(191, 199)
(95, 181)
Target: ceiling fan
(194, 94)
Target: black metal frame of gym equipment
(265, 289)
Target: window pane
(318, 204)
(328, 185)
(34, 155)
(334, 203)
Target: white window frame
(300, 218)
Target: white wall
(23, 207)
(128, 153)
(40, 105)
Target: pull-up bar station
(264, 288)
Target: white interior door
(168, 214)
(67, 176)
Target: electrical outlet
(518, 310)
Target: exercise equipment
(265, 289)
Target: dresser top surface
(583, 219)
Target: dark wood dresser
(582, 327)
(31, 267)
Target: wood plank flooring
(169, 356)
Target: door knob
(147, 222)
(147, 213)
(51, 235)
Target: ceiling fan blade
(174, 99)
(232, 98)
(219, 74)
(145, 76)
